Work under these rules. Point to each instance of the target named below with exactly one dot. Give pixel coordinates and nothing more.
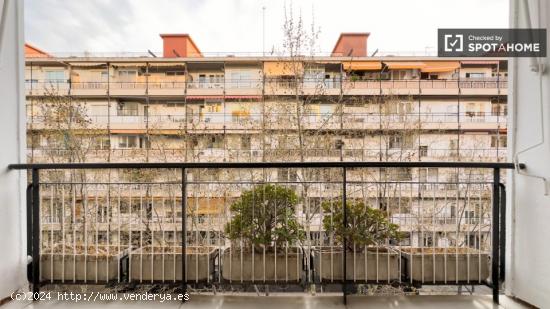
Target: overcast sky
(236, 25)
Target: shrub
(265, 216)
(366, 226)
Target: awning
(128, 131)
(480, 62)
(283, 68)
(405, 65)
(88, 64)
(362, 66)
(205, 206)
(441, 66)
(204, 97)
(249, 97)
(129, 65)
(168, 64)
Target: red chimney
(179, 45)
(351, 45)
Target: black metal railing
(325, 208)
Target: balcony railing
(284, 120)
(44, 154)
(226, 225)
(273, 85)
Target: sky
(236, 26)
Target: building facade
(188, 107)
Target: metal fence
(295, 225)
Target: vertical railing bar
(399, 241)
(74, 232)
(96, 210)
(119, 240)
(479, 236)
(457, 236)
(151, 222)
(321, 240)
(63, 233)
(140, 227)
(51, 223)
(163, 224)
(36, 233)
(344, 244)
(198, 230)
(422, 235)
(411, 253)
(184, 229)
(107, 220)
(388, 213)
(434, 202)
(130, 237)
(174, 237)
(502, 231)
(29, 230)
(468, 218)
(495, 235)
(446, 251)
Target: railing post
(344, 242)
(184, 230)
(35, 233)
(495, 235)
(29, 232)
(502, 232)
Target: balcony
(273, 86)
(181, 225)
(467, 86)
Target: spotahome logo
(491, 42)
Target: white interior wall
(528, 252)
(12, 135)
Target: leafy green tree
(365, 225)
(265, 216)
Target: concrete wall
(528, 268)
(12, 130)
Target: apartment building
(187, 106)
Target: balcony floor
(289, 302)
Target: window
(287, 174)
(33, 140)
(102, 142)
(127, 75)
(212, 112)
(55, 76)
(453, 147)
(428, 241)
(428, 174)
(470, 216)
(398, 108)
(499, 109)
(215, 142)
(245, 142)
(475, 75)
(128, 109)
(128, 141)
(452, 180)
(104, 76)
(210, 81)
(400, 141)
(175, 73)
(499, 141)
(423, 151)
(399, 74)
(396, 174)
(241, 79)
